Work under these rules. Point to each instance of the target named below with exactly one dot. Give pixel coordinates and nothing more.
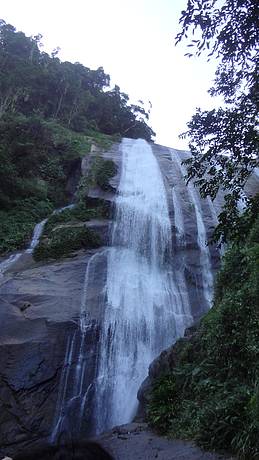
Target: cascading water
(206, 269)
(180, 246)
(37, 232)
(145, 301)
(144, 311)
(75, 391)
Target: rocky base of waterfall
(162, 365)
(135, 441)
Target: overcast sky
(134, 41)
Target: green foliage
(212, 396)
(80, 213)
(32, 82)
(64, 241)
(36, 158)
(104, 141)
(65, 232)
(83, 188)
(17, 225)
(240, 223)
(224, 142)
(101, 171)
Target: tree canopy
(33, 82)
(224, 141)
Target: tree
(34, 83)
(224, 141)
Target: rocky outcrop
(162, 365)
(40, 306)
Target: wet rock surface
(135, 441)
(39, 309)
(162, 365)
(40, 306)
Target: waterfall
(144, 311)
(144, 304)
(37, 232)
(38, 229)
(75, 391)
(206, 269)
(181, 245)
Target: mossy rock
(65, 241)
(100, 174)
(106, 169)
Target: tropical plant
(224, 141)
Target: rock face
(40, 306)
(193, 221)
(162, 365)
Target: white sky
(133, 40)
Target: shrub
(64, 241)
(212, 396)
(17, 225)
(105, 170)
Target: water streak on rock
(206, 269)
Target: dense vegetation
(212, 396)
(66, 240)
(50, 114)
(224, 142)
(32, 82)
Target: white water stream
(205, 263)
(74, 387)
(144, 305)
(144, 311)
(37, 232)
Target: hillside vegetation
(50, 114)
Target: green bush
(100, 173)
(64, 241)
(36, 157)
(212, 395)
(16, 226)
(64, 232)
(105, 170)
(77, 214)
